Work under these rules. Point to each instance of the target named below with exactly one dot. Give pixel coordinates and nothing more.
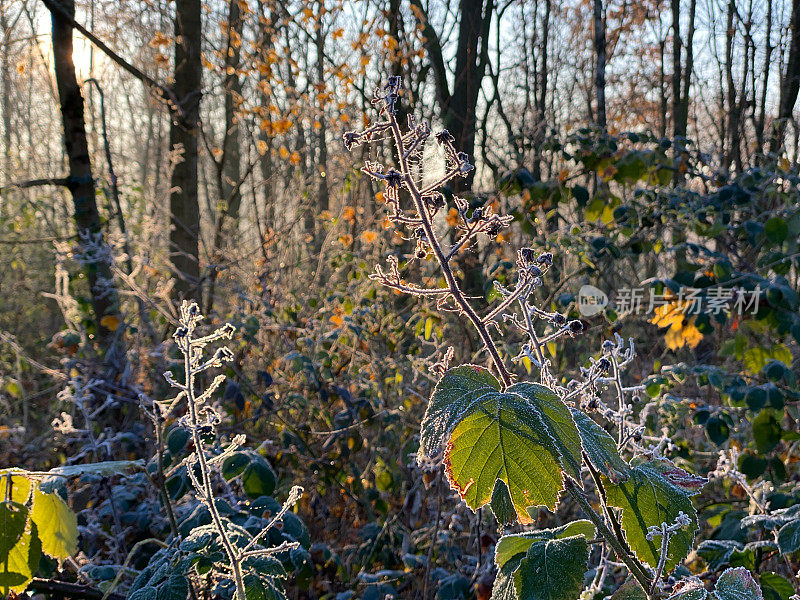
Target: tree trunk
(540, 100)
(683, 116)
(729, 156)
(323, 195)
(459, 107)
(675, 6)
(599, 31)
(183, 136)
(96, 254)
(228, 171)
(265, 133)
(762, 109)
(790, 83)
(232, 197)
(5, 81)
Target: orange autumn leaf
(349, 214)
(369, 236)
(110, 322)
(452, 217)
(681, 328)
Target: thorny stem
(207, 487)
(452, 283)
(622, 407)
(601, 493)
(194, 363)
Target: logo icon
(591, 300)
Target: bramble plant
(215, 543)
(517, 445)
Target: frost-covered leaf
(550, 569)
(789, 537)
(261, 588)
(718, 553)
(454, 395)
(104, 468)
(558, 420)
(510, 546)
(630, 590)
(524, 437)
(145, 593)
(737, 584)
(176, 587)
(656, 493)
(688, 589)
(57, 524)
(601, 448)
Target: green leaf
(755, 359)
(20, 484)
(510, 546)
(502, 505)
(548, 570)
(177, 440)
(630, 590)
(147, 592)
(457, 391)
(57, 525)
(601, 448)
(174, 588)
(524, 437)
(737, 584)
(13, 518)
(234, 465)
(775, 587)
(789, 537)
(776, 230)
(258, 478)
(656, 493)
(559, 422)
(18, 568)
(717, 429)
(766, 431)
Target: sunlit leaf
(57, 525)
(524, 437)
(18, 568)
(655, 493)
(549, 569)
(13, 518)
(601, 449)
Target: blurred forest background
(168, 150)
